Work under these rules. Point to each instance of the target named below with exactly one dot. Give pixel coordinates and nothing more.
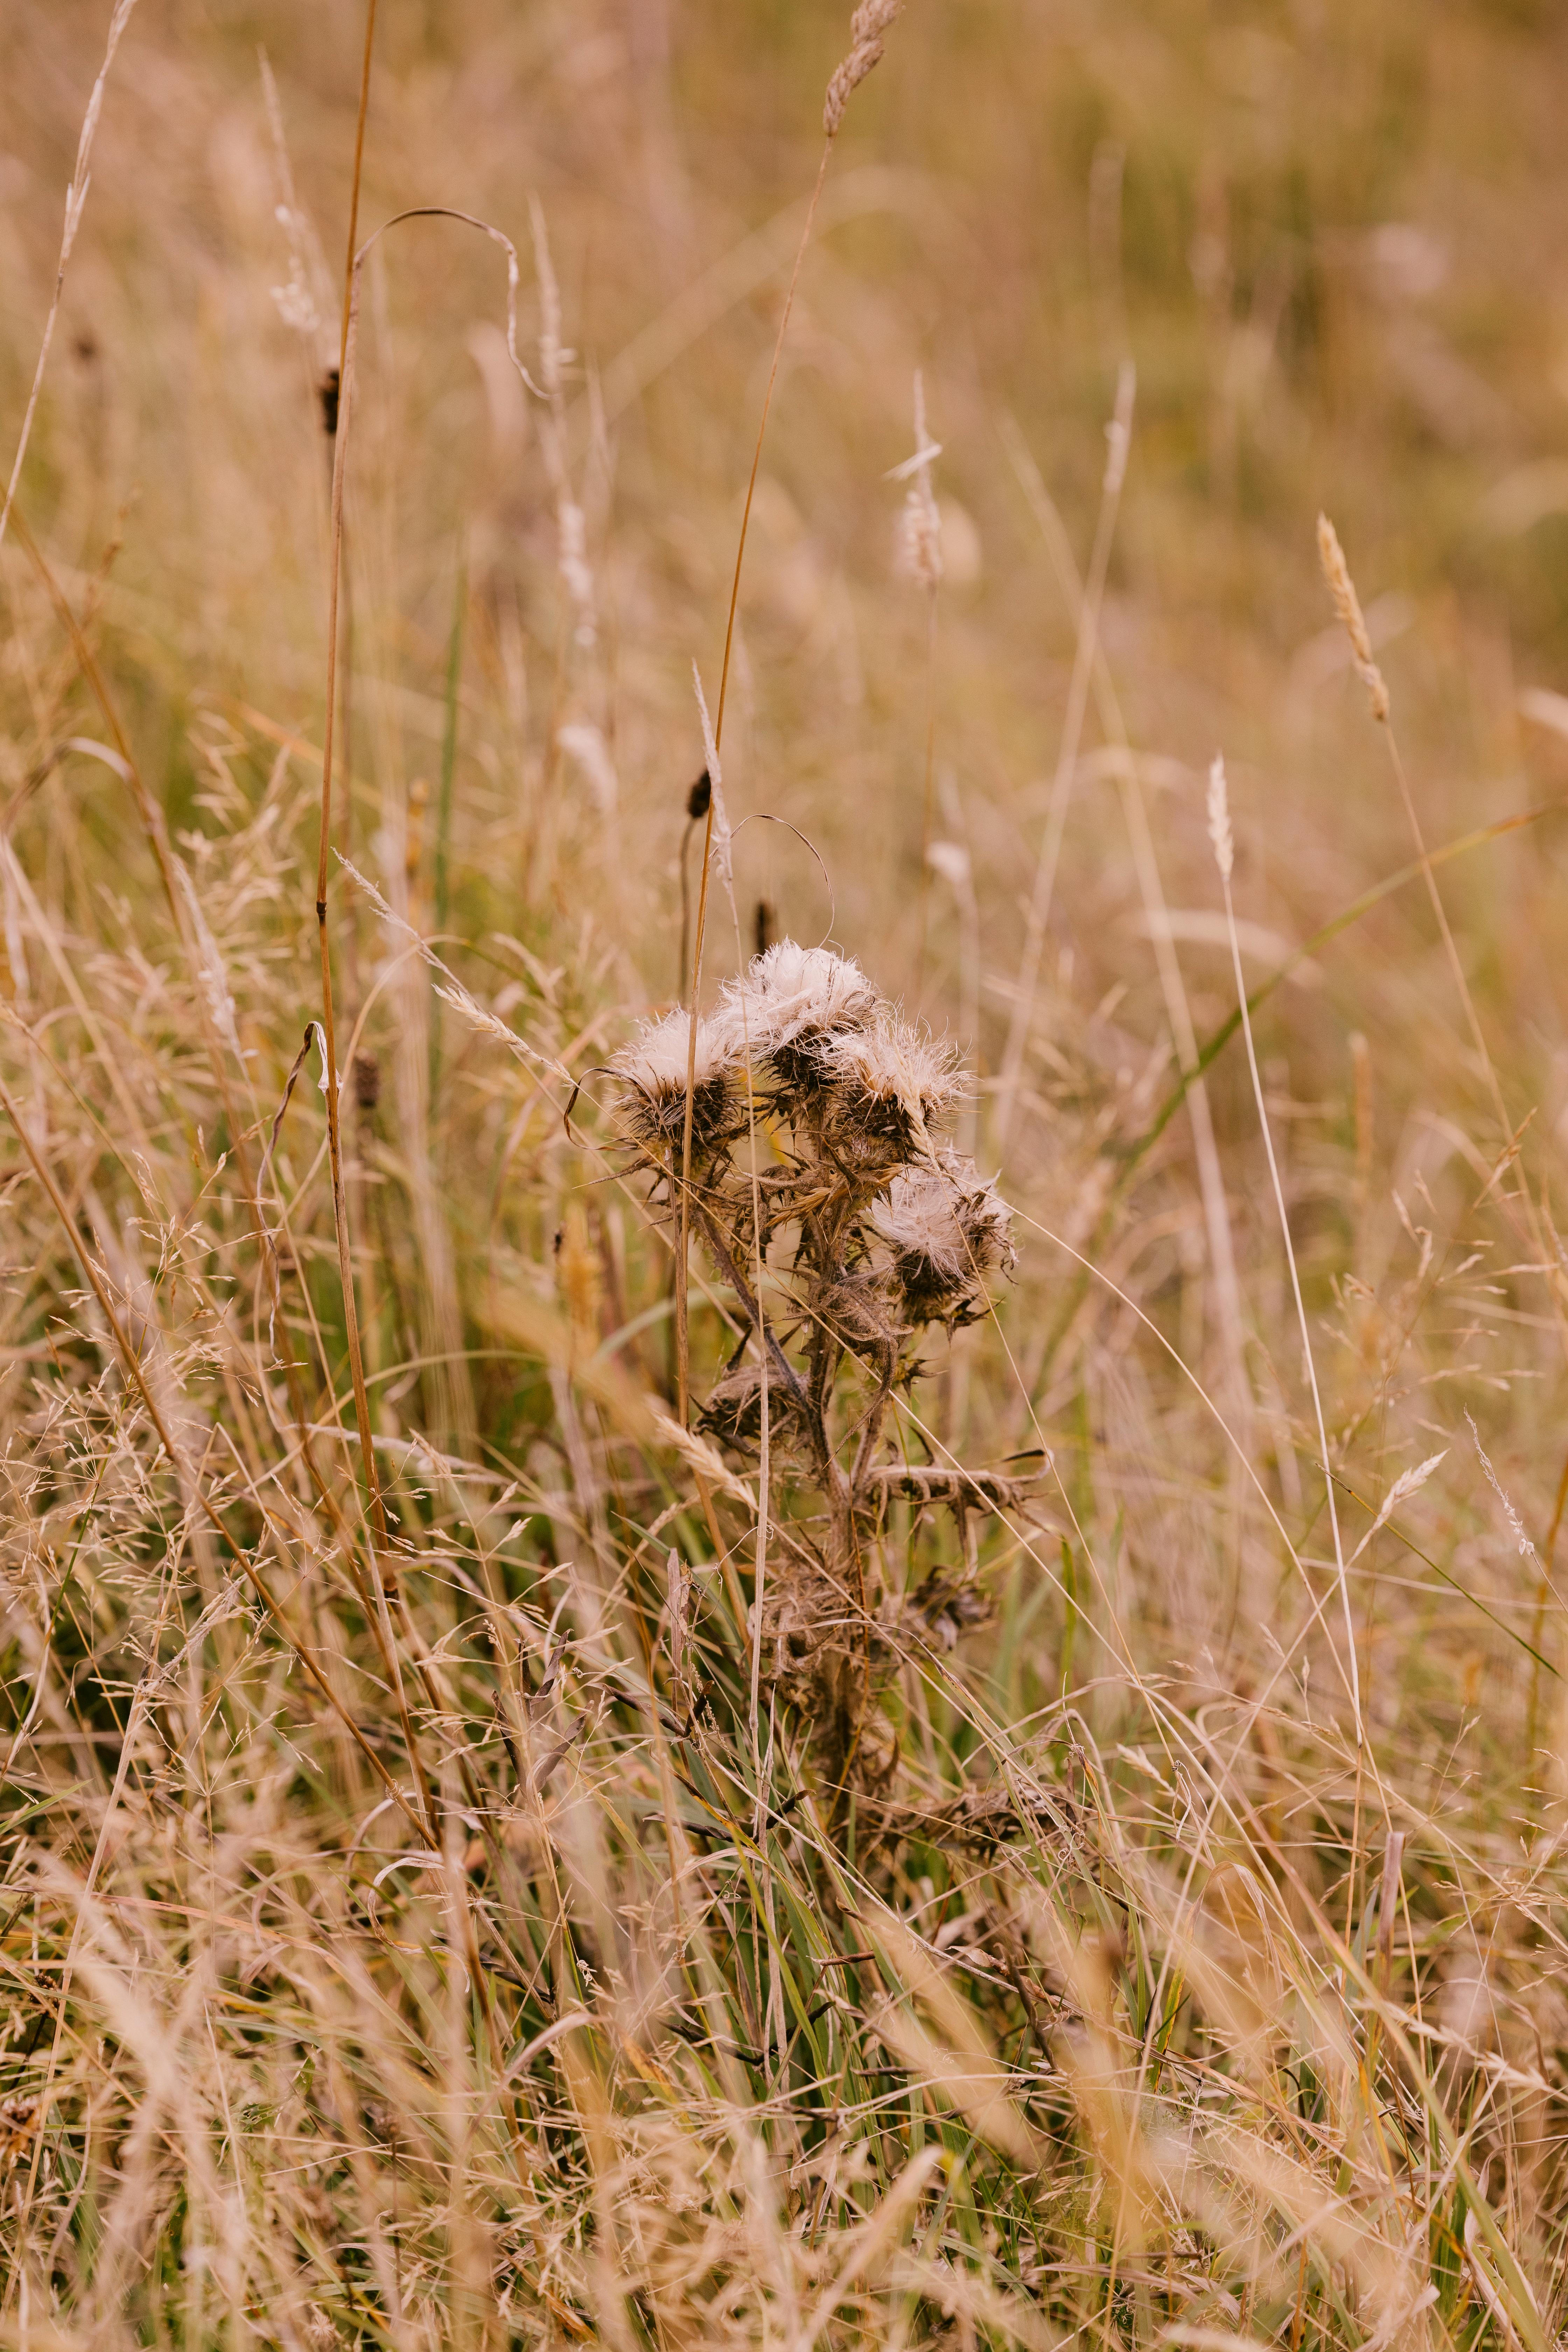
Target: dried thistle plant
(873, 1232)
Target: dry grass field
(893, 1669)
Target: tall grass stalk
(1223, 841)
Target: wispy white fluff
(919, 1218)
(583, 744)
(657, 1059)
(949, 1216)
(985, 1217)
(789, 993)
(1526, 1548)
(890, 1062)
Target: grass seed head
(1219, 817)
(919, 556)
(1347, 604)
(867, 28)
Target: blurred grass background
(1327, 238)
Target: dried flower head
(947, 1227)
(790, 1003)
(733, 1412)
(866, 27)
(652, 1069)
(894, 1080)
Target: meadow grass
(885, 1666)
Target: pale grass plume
(76, 200)
(554, 359)
(1347, 604)
(211, 974)
(1219, 818)
(585, 744)
(721, 843)
(1516, 1524)
(1118, 432)
(1409, 1482)
(454, 993)
(302, 303)
(296, 303)
(919, 522)
(574, 567)
(701, 1458)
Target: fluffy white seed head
(654, 1069)
(986, 1219)
(919, 1218)
(790, 995)
(659, 1056)
(947, 1227)
(889, 1066)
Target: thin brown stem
(1047, 864)
(928, 797)
(1538, 1624)
(682, 1323)
(354, 189)
(376, 1530)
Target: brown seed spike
(1347, 604)
(866, 27)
